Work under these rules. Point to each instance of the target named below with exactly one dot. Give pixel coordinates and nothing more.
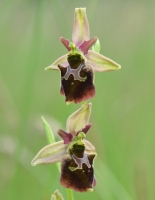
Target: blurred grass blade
(50, 136)
(110, 182)
(48, 130)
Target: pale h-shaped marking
(75, 73)
(79, 162)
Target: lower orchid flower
(77, 67)
(74, 152)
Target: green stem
(70, 194)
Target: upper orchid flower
(75, 153)
(78, 65)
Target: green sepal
(79, 119)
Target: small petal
(85, 129)
(65, 43)
(60, 61)
(87, 44)
(67, 137)
(52, 153)
(79, 119)
(101, 63)
(81, 27)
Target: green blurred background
(123, 109)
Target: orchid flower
(78, 65)
(74, 152)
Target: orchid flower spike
(78, 65)
(74, 152)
